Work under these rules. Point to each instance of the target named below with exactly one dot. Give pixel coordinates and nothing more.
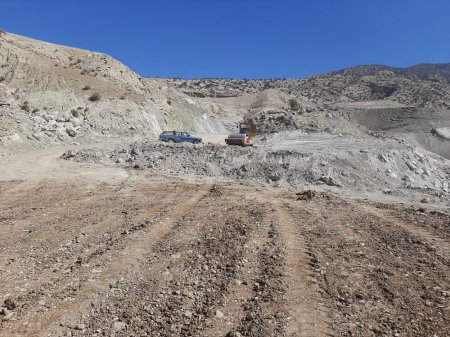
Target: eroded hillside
(51, 94)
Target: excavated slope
(52, 94)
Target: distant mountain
(424, 72)
(424, 85)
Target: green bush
(294, 104)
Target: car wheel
(196, 142)
(171, 141)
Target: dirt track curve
(148, 255)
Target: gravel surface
(152, 256)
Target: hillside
(412, 101)
(52, 94)
(426, 85)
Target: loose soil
(101, 251)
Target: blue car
(178, 137)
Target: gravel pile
(356, 164)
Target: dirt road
(99, 251)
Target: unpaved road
(88, 250)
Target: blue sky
(241, 38)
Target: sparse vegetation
(95, 97)
(75, 113)
(294, 104)
(25, 106)
(2, 32)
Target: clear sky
(241, 38)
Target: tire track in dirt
(377, 277)
(306, 308)
(264, 310)
(441, 245)
(240, 292)
(106, 228)
(186, 280)
(143, 242)
(125, 250)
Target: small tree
(294, 104)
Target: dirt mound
(296, 159)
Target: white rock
(119, 326)
(8, 317)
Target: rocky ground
(373, 165)
(336, 223)
(95, 251)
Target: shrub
(169, 102)
(86, 87)
(2, 32)
(25, 106)
(294, 104)
(75, 113)
(35, 110)
(95, 97)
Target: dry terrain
(336, 223)
(95, 250)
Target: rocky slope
(52, 94)
(426, 85)
(413, 101)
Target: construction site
(310, 207)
